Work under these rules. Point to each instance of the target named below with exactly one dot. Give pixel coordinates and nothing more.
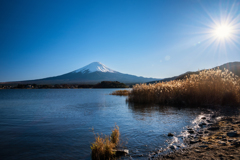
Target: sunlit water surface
(57, 124)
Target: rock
(193, 141)
(236, 143)
(228, 119)
(231, 156)
(222, 143)
(208, 121)
(236, 122)
(213, 128)
(170, 134)
(232, 134)
(231, 140)
(203, 146)
(206, 142)
(209, 124)
(198, 151)
(202, 124)
(172, 147)
(203, 118)
(200, 132)
(206, 132)
(121, 151)
(191, 131)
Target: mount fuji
(91, 74)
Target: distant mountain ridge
(91, 74)
(231, 66)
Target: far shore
(103, 84)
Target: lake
(60, 123)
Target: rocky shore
(218, 138)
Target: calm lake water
(57, 124)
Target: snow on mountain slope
(94, 67)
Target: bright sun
(223, 31)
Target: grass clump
(103, 148)
(115, 135)
(121, 92)
(209, 87)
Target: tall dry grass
(209, 87)
(115, 135)
(121, 92)
(103, 147)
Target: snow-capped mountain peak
(94, 67)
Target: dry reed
(121, 92)
(103, 148)
(209, 87)
(115, 135)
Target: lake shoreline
(218, 140)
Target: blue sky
(150, 38)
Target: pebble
(213, 128)
(198, 151)
(203, 146)
(237, 122)
(222, 143)
(121, 151)
(202, 124)
(231, 156)
(170, 134)
(193, 141)
(173, 147)
(206, 142)
(191, 131)
(232, 134)
(231, 140)
(236, 143)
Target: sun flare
(220, 32)
(223, 31)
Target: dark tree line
(103, 84)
